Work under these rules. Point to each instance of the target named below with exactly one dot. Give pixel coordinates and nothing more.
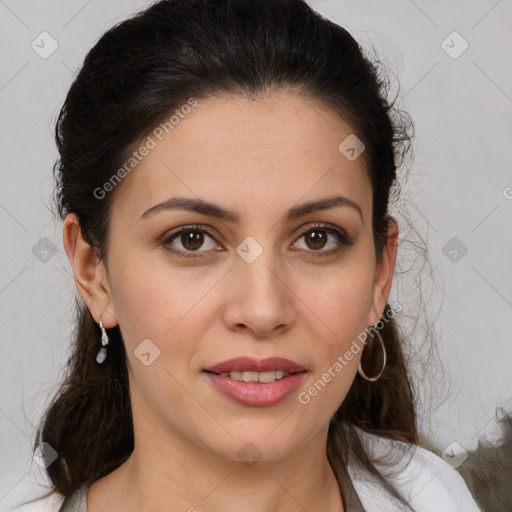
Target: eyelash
(339, 234)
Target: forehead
(250, 154)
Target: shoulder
(424, 479)
(47, 499)
(47, 503)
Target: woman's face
(267, 284)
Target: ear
(384, 272)
(89, 273)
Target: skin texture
(258, 158)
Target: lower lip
(256, 394)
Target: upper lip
(251, 364)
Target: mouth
(256, 382)
(250, 369)
(261, 377)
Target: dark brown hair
(136, 75)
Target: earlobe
(89, 273)
(384, 272)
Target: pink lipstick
(256, 382)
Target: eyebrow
(214, 210)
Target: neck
(168, 471)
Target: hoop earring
(377, 377)
(102, 353)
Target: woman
(224, 177)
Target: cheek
(344, 311)
(163, 304)
(143, 295)
(164, 308)
(343, 303)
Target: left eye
(317, 236)
(192, 238)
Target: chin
(257, 445)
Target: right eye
(191, 239)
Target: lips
(250, 364)
(256, 394)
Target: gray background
(460, 186)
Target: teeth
(264, 377)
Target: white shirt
(428, 483)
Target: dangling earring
(377, 377)
(102, 353)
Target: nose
(259, 298)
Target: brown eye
(317, 238)
(191, 239)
